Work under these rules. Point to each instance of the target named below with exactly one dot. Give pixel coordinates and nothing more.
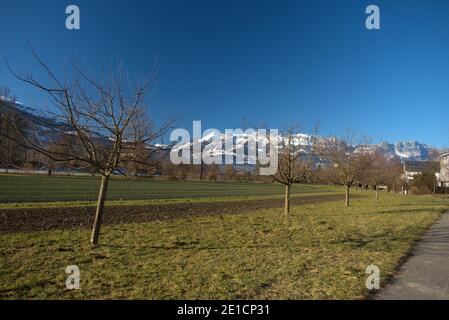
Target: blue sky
(275, 62)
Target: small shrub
(419, 190)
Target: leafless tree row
(102, 124)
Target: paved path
(426, 274)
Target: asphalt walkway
(425, 276)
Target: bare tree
(229, 172)
(434, 169)
(394, 175)
(327, 175)
(213, 172)
(202, 169)
(291, 167)
(347, 161)
(5, 99)
(435, 154)
(377, 170)
(311, 154)
(93, 120)
(11, 154)
(5, 95)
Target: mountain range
(402, 150)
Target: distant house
(413, 168)
(444, 174)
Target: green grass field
(32, 191)
(320, 251)
(69, 188)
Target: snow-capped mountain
(408, 150)
(412, 150)
(41, 126)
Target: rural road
(425, 276)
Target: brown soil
(38, 219)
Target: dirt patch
(39, 219)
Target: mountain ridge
(402, 150)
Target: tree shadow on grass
(402, 211)
(360, 240)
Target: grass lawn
(43, 189)
(320, 252)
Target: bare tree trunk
(49, 167)
(287, 200)
(347, 195)
(100, 209)
(201, 170)
(377, 192)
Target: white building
(444, 174)
(413, 168)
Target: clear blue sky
(269, 61)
